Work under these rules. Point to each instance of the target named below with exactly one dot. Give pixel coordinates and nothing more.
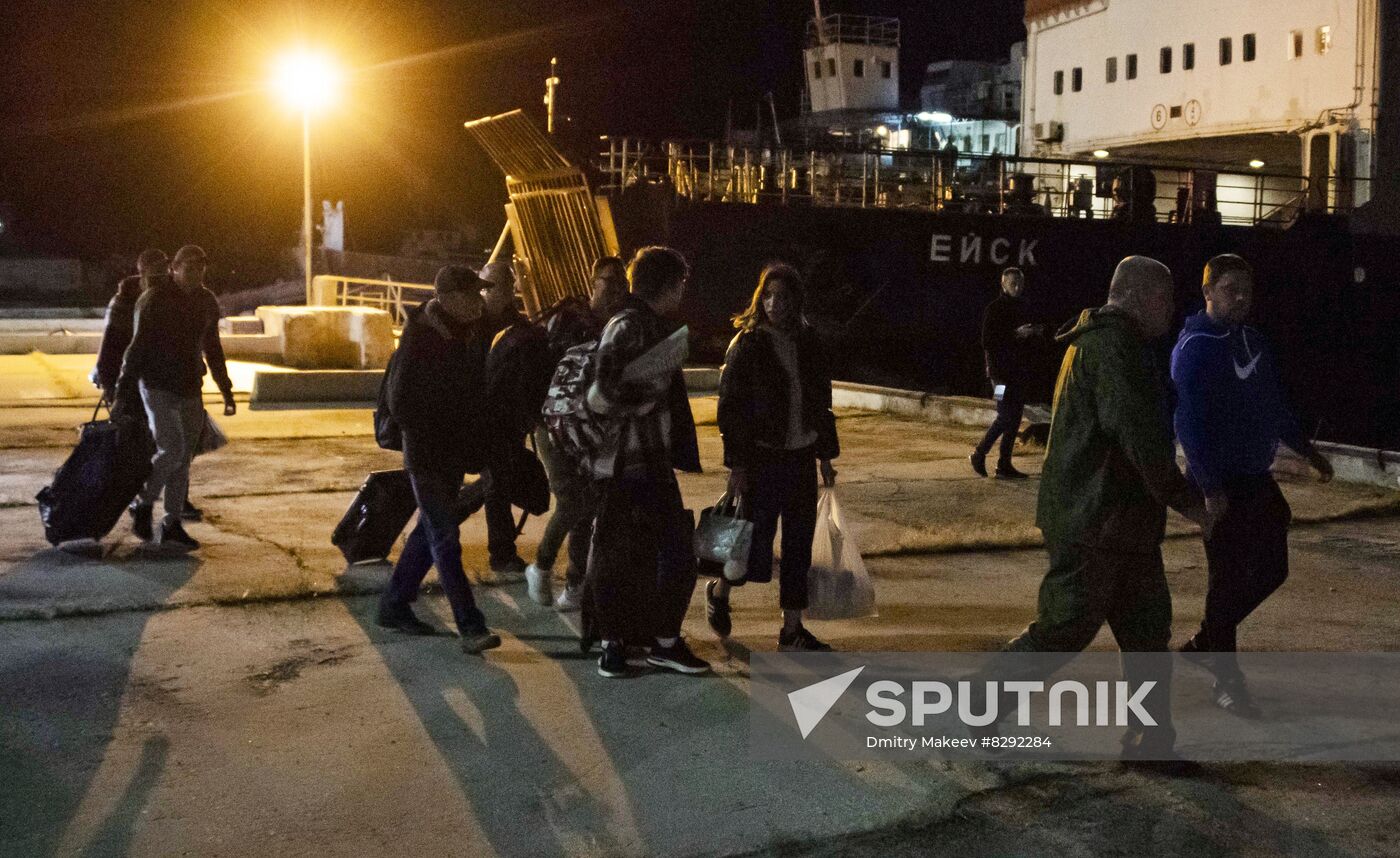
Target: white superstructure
(1281, 85)
(852, 63)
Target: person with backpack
(775, 419)
(571, 323)
(175, 330)
(641, 569)
(435, 391)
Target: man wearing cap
(436, 389)
(176, 330)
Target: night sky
(129, 124)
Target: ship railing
(394, 297)
(853, 30)
(948, 181)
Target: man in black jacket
(1005, 333)
(507, 326)
(176, 330)
(151, 265)
(436, 395)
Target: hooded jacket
(1230, 411)
(1110, 464)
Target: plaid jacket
(658, 430)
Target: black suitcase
(376, 517)
(102, 475)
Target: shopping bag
(838, 586)
(211, 437)
(724, 538)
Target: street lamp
(309, 82)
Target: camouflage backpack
(579, 433)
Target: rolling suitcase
(376, 517)
(93, 487)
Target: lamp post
(309, 82)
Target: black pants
(435, 541)
(783, 484)
(1009, 411)
(641, 566)
(500, 525)
(1247, 556)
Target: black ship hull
(898, 294)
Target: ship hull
(898, 294)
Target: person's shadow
(63, 683)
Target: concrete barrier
(963, 410)
(51, 343)
(331, 337)
(701, 379)
(241, 325)
(325, 385)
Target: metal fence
(942, 180)
(396, 298)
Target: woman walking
(778, 429)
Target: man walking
(175, 330)
(436, 395)
(1110, 473)
(642, 566)
(1230, 416)
(572, 323)
(503, 321)
(119, 325)
(1005, 332)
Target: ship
(1178, 129)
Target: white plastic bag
(838, 587)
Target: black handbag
(527, 485)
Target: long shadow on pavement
(61, 708)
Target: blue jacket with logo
(1230, 412)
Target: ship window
(817, 70)
(1077, 79)
(859, 68)
(1324, 39)
(1132, 67)
(1165, 64)
(1248, 50)
(1059, 83)
(1110, 72)
(831, 67)
(1227, 51)
(1296, 37)
(1188, 56)
(1175, 111)
(886, 69)
(986, 143)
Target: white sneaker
(570, 600)
(539, 584)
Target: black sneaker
(678, 658)
(191, 513)
(477, 641)
(613, 662)
(172, 535)
(403, 620)
(1192, 652)
(979, 463)
(141, 522)
(800, 640)
(717, 612)
(1007, 471)
(1233, 697)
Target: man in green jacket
(1110, 473)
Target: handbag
(724, 537)
(527, 484)
(211, 437)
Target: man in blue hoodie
(1230, 417)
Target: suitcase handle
(101, 401)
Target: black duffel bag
(102, 475)
(376, 517)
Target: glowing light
(935, 116)
(883, 131)
(1257, 164)
(1100, 153)
(306, 80)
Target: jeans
(783, 484)
(176, 422)
(641, 569)
(574, 506)
(435, 541)
(1009, 410)
(1247, 557)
